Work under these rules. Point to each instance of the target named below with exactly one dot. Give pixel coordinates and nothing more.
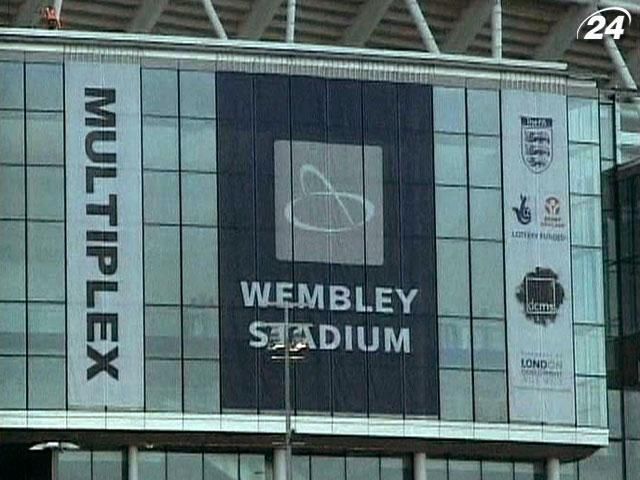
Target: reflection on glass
(199, 199)
(490, 392)
(12, 258)
(484, 113)
(161, 198)
(11, 191)
(200, 266)
(45, 138)
(13, 385)
(451, 212)
(197, 94)
(450, 157)
(44, 86)
(46, 329)
(11, 85)
(162, 265)
(198, 145)
(163, 385)
(201, 380)
(159, 92)
(455, 395)
(45, 193)
(448, 109)
(46, 268)
(162, 332)
(453, 277)
(11, 137)
(487, 279)
(160, 143)
(454, 338)
(47, 382)
(12, 328)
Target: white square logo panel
(328, 203)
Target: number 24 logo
(598, 22)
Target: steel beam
(214, 19)
(147, 15)
(291, 21)
(496, 30)
(258, 19)
(470, 24)
(563, 33)
(423, 27)
(368, 18)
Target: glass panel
(46, 261)
(497, 471)
(163, 384)
(583, 120)
(607, 135)
(13, 386)
(392, 468)
(488, 344)
(198, 145)
(160, 143)
(161, 198)
(108, 466)
(11, 85)
(252, 467)
(464, 470)
(436, 469)
(585, 221)
(197, 94)
(588, 288)
(363, 468)
(12, 328)
(584, 165)
(632, 454)
(603, 463)
(591, 401)
(45, 193)
(201, 380)
(46, 329)
(159, 92)
(151, 466)
(327, 468)
(199, 199)
(632, 414)
(220, 466)
(44, 86)
(47, 379)
(614, 398)
(484, 112)
(11, 191)
(524, 471)
(451, 212)
(74, 466)
(486, 214)
(45, 138)
(12, 258)
(589, 345)
(454, 338)
(448, 109)
(455, 395)
(12, 137)
(487, 279)
(450, 159)
(162, 265)
(200, 266)
(200, 332)
(453, 277)
(301, 467)
(484, 162)
(569, 471)
(162, 332)
(490, 391)
(184, 466)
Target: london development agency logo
(328, 203)
(537, 143)
(541, 294)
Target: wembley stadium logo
(537, 143)
(348, 211)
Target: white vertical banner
(104, 235)
(538, 257)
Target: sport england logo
(541, 294)
(328, 203)
(537, 143)
(599, 26)
(523, 212)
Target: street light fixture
(293, 349)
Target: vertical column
(279, 464)
(553, 469)
(419, 466)
(133, 462)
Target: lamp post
(297, 348)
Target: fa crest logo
(537, 143)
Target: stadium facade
(453, 240)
